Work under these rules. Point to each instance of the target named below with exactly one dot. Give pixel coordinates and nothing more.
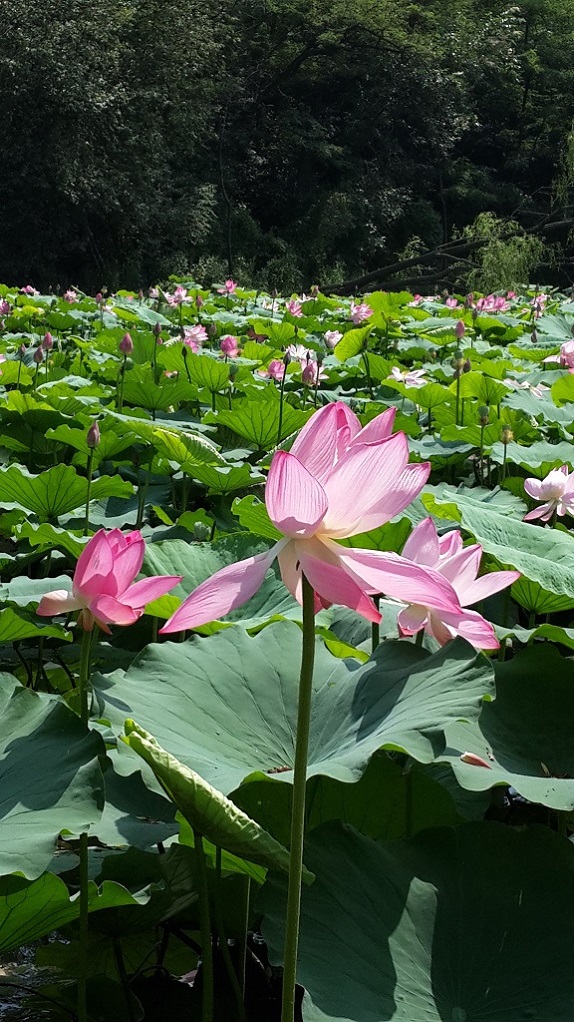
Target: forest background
(287, 143)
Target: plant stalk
(207, 1001)
(298, 809)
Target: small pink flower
(332, 337)
(492, 303)
(228, 288)
(359, 313)
(565, 358)
(458, 564)
(557, 492)
(229, 346)
(5, 307)
(511, 294)
(103, 587)
(275, 370)
(70, 295)
(178, 296)
(452, 303)
(294, 307)
(312, 373)
(194, 337)
(29, 290)
(153, 292)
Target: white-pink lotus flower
(194, 336)
(458, 564)
(557, 492)
(410, 377)
(565, 357)
(294, 307)
(103, 587)
(359, 313)
(338, 480)
(332, 337)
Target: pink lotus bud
(39, 355)
(157, 329)
(310, 374)
(474, 760)
(99, 298)
(198, 301)
(212, 330)
(126, 345)
(460, 329)
(93, 435)
(22, 350)
(48, 342)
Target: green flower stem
(121, 384)
(84, 679)
(457, 406)
(368, 373)
(207, 1003)
(83, 951)
(298, 809)
(281, 392)
(89, 471)
(223, 945)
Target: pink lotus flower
(229, 347)
(275, 370)
(359, 313)
(294, 307)
(194, 337)
(536, 391)
(5, 307)
(312, 373)
(557, 492)
(70, 296)
(492, 303)
(410, 377)
(451, 303)
(338, 480)
(446, 555)
(178, 296)
(565, 357)
(332, 337)
(228, 288)
(460, 329)
(102, 588)
(29, 290)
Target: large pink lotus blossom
(565, 357)
(491, 303)
(359, 313)
(338, 480)
(458, 564)
(557, 492)
(194, 337)
(178, 296)
(103, 587)
(275, 370)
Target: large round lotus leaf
(466, 924)
(226, 705)
(50, 777)
(525, 735)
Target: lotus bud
(212, 330)
(474, 760)
(467, 366)
(93, 435)
(48, 342)
(460, 329)
(22, 350)
(99, 298)
(534, 337)
(274, 293)
(483, 414)
(198, 301)
(286, 359)
(126, 344)
(457, 361)
(39, 355)
(157, 331)
(506, 436)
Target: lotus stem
(281, 392)
(238, 989)
(375, 628)
(89, 471)
(298, 809)
(84, 678)
(207, 1001)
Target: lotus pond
(370, 708)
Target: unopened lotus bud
(314, 290)
(157, 329)
(286, 359)
(506, 436)
(310, 373)
(99, 298)
(534, 337)
(274, 293)
(483, 415)
(468, 301)
(39, 355)
(126, 345)
(22, 350)
(460, 329)
(212, 330)
(93, 435)
(198, 301)
(467, 366)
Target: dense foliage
(440, 793)
(287, 142)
